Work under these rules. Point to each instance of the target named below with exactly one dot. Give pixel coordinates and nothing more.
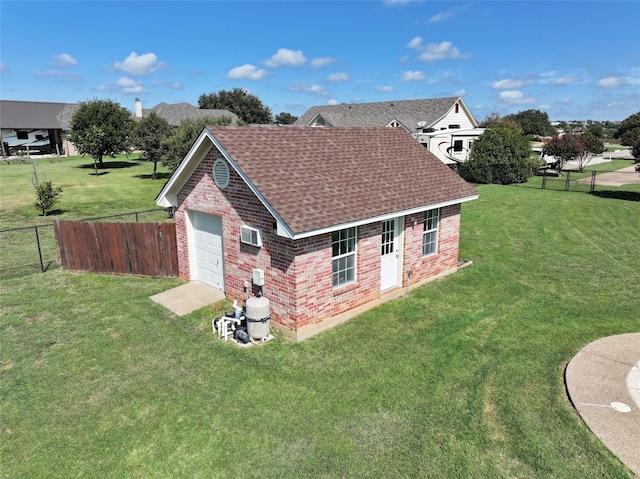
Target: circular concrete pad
(603, 381)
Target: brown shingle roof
(407, 112)
(36, 114)
(317, 178)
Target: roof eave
(168, 197)
(364, 221)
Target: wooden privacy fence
(146, 249)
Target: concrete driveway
(624, 176)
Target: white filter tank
(257, 313)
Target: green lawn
(461, 378)
(122, 185)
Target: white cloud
(333, 101)
(385, 88)
(128, 85)
(412, 76)
(62, 74)
(564, 81)
(462, 92)
(515, 97)
(247, 72)
(322, 62)
(51, 73)
(508, 84)
(3, 68)
(316, 90)
(286, 58)
(415, 43)
(63, 60)
(610, 82)
(174, 85)
(444, 15)
(139, 65)
(319, 90)
(338, 78)
(441, 51)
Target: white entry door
(207, 231)
(389, 256)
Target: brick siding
(298, 272)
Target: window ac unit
(250, 236)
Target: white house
(445, 126)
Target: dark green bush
(500, 155)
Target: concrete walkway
(603, 381)
(623, 176)
(188, 297)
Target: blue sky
(571, 59)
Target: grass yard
(461, 378)
(122, 185)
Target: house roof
(36, 115)
(319, 179)
(406, 112)
(177, 112)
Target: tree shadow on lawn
(111, 165)
(618, 195)
(56, 212)
(159, 176)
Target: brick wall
(298, 272)
(446, 257)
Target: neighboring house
(338, 219)
(35, 127)
(445, 126)
(176, 113)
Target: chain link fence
(32, 249)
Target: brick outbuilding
(336, 219)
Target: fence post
(544, 179)
(566, 183)
(39, 249)
(137, 217)
(593, 182)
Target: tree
(150, 134)
(629, 134)
(596, 129)
(284, 118)
(533, 122)
(590, 145)
(101, 128)
(580, 149)
(563, 148)
(495, 120)
(500, 155)
(176, 147)
(248, 107)
(47, 195)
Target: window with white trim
(343, 247)
(430, 235)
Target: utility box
(258, 277)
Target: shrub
(500, 155)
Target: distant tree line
(103, 128)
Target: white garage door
(208, 249)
